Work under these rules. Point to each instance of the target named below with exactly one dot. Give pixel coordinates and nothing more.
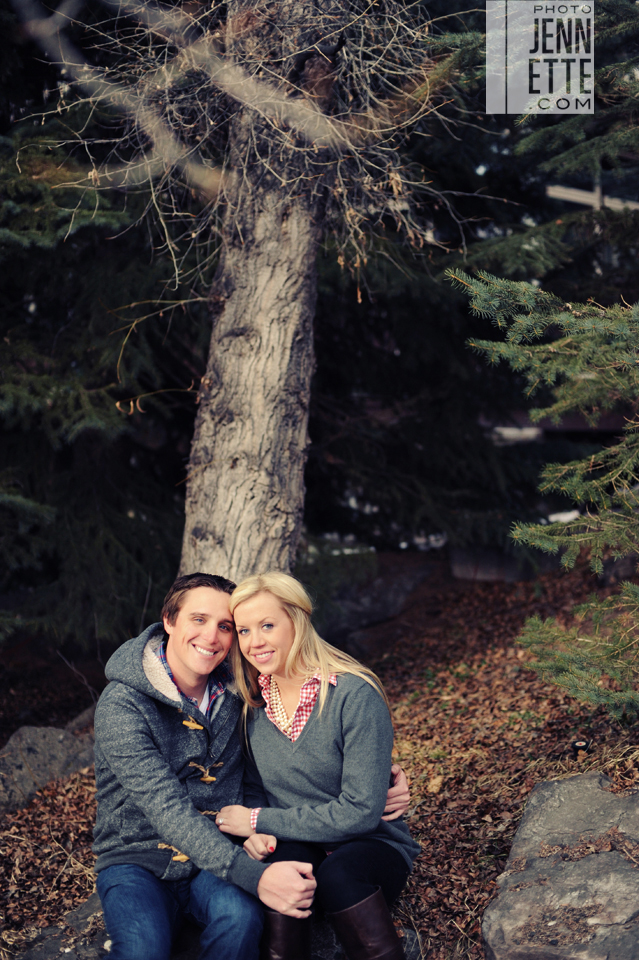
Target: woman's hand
(260, 845)
(398, 797)
(235, 820)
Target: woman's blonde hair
(308, 655)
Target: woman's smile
(263, 657)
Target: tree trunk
(245, 493)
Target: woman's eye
(268, 626)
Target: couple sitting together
(264, 780)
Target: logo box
(539, 57)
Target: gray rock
(561, 811)
(34, 756)
(571, 885)
(53, 943)
(616, 570)
(81, 918)
(88, 938)
(325, 945)
(485, 564)
(83, 720)
(362, 605)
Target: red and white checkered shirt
(308, 698)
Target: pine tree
(577, 356)
(584, 358)
(397, 435)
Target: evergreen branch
(589, 356)
(23, 505)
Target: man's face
(201, 636)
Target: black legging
(349, 874)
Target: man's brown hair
(175, 597)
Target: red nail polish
(271, 849)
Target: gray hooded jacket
(160, 765)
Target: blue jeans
(142, 913)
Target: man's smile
(206, 653)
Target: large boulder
(33, 756)
(570, 890)
(354, 607)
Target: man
(168, 757)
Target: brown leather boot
(285, 938)
(366, 930)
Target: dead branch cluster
(324, 92)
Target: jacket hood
(136, 664)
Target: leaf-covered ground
(46, 863)
(475, 730)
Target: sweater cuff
(254, 815)
(246, 873)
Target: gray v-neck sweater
(330, 784)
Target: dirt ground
(38, 688)
(475, 730)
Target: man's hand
(235, 820)
(398, 797)
(288, 887)
(260, 845)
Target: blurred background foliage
(402, 413)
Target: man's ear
(168, 626)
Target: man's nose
(210, 631)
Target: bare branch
(168, 152)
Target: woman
(322, 748)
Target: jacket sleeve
(135, 759)
(367, 737)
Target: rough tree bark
(245, 493)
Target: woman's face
(265, 633)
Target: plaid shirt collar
(217, 680)
(308, 698)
